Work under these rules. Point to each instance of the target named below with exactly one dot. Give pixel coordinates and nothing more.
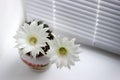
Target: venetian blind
(76, 18)
(92, 22)
(39, 9)
(108, 29)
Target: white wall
(11, 15)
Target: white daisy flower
(63, 52)
(31, 38)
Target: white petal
(33, 24)
(66, 60)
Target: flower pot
(40, 63)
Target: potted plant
(38, 47)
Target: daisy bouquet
(39, 47)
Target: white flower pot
(40, 63)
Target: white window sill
(94, 65)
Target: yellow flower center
(32, 40)
(62, 51)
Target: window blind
(108, 29)
(76, 18)
(39, 9)
(92, 22)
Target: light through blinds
(92, 22)
(76, 18)
(39, 9)
(108, 32)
